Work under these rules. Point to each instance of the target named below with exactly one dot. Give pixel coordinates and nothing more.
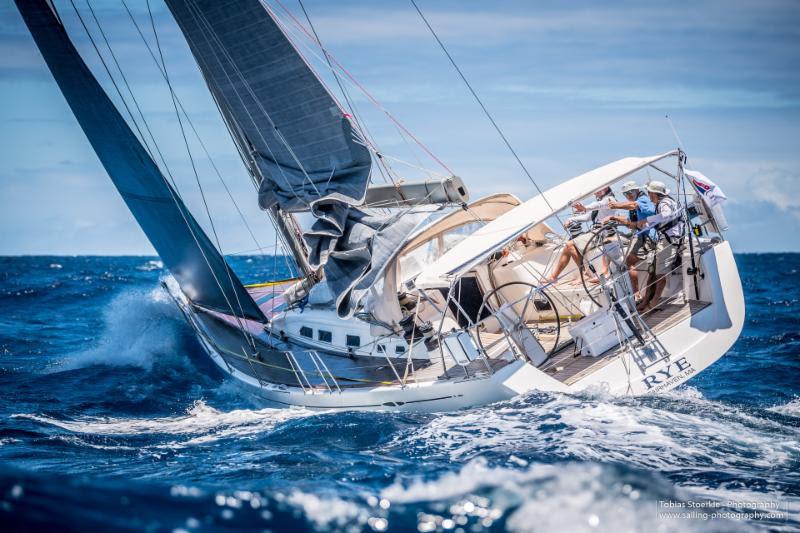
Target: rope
(278, 133)
(345, 94)
(209, 33)
(196, 134)
(480, 103)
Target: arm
(665, 214)
(629, 206)
(582, 217)
(624, 221)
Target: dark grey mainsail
(298, 137)
(186, 250)
(295, 139)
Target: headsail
(294, 137)
(186, 250)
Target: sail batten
(183, 246)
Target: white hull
(693, 344)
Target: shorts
(596, 238)
(641, 247)
(582, 240)
(668, 257)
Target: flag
(710, 191)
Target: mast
(285, 223)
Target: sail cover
(186, 250)
(295, 138)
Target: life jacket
(664, 227)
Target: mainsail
(295, 139)
(185, 249)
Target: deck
(568, 366)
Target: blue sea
(113, 418)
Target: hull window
(324, 336)
(353, 341)
(306, 331)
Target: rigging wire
(481, 104)
(196, 133)
(208, 30)
(276, 131)
(191, 159)
(369, 96)
(393, 176)
(173, 192)
(351, 104)
(383, 159)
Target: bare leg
(631, 263)
(569, 252)
(661, 282)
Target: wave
(151, 266)
(686, 437)
(789, 409)
(140, 327)
(201, 422)
(571, 497)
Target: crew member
(594, 212)
(639, 207)
(668, 223)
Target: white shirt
(666, 211)
(602, 208)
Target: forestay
(522, 218)
(186, 250)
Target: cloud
(779, 187)
(662, 96)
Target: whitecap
(789, 409)
(151, 265)
(561, 497)
(139, 328)
(664, 434)
(325, 512)
(202, 420)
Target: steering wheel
(598, 234)
(541, 300)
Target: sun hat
(629, 186)
(605, 191)
(657, 187)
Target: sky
(574, 85)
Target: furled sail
(186, 250)
(294, 137)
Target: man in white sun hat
(639, 207)
(668, 223)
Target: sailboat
(409, 296)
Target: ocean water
(112, 417)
